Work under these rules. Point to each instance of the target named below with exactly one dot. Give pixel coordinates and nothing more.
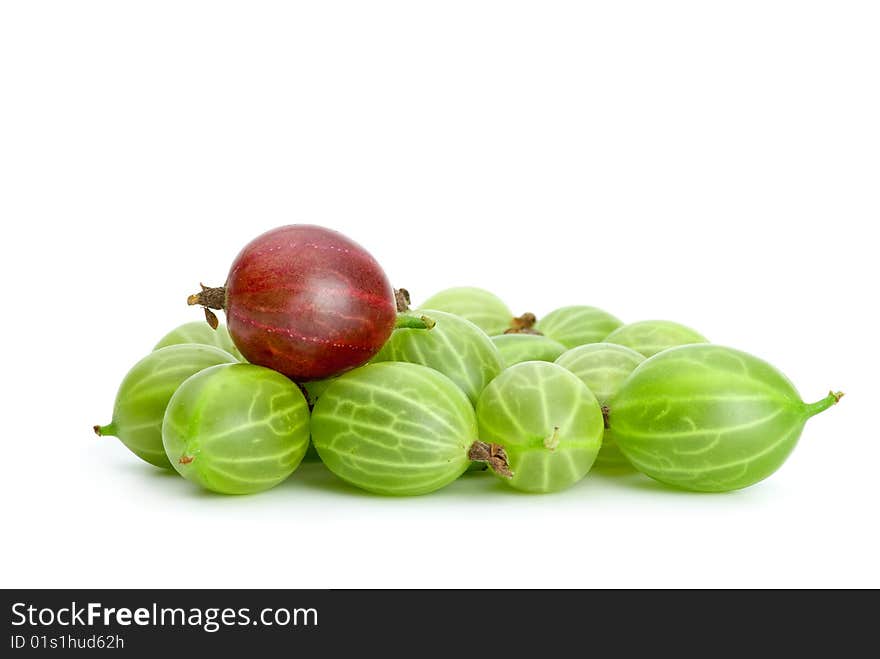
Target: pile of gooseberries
(321, 359)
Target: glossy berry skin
(516, 348)
(454, 346)
(394, 428)
(708, 418)
(144, 394)
(308, 302)
(548, 422)
(603, 367)
(484, 309)
(236, 428)
(577, 325)
(200, 332)
(648, 337)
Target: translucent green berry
(145, 392)
(577, 325)
(484, 309)
(516, 348)
(201, 332)
(648, 337)
(236, 428)
(540, 427)
(394, 428)
(709, 418)
(603, 367)
(454, 346)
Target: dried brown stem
(492, 454)
(401, 297)
(209, 297)
(524, 324)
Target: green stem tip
(105, 431)
(552, 440)
(820, 406)
(412, 321)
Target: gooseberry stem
(208, 297)
(412, 321)
(402, 299)
(104, 431)
(552, 441)
(492, 454)
(524, 324)
(820, 406)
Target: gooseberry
(200, 332)
(709, 418)
(305, 301)
(145, 392)
(648, 337)
(516, 348)
(484, 309)
(236, 428)
(540, 427)
(394, 428)
(577, 325)
(603, 367)
(454, 346)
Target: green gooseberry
(709, 418)
(648, 337)
(577, 325)
(484, 309)
(540, 427)
(236, 428)
(454, 346)
(516, 348)
(603, 367)
(201, 332)
(394, 428)
(145, 392)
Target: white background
(711, 163)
